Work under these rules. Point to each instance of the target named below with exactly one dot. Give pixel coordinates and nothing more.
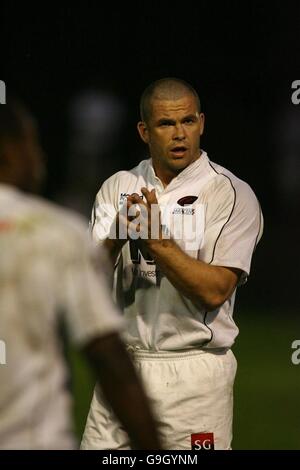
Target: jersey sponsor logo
(143, 273)
(183, 202)
(186, 224)
(183, 211)
(202, 441)
(139, 255)
(187, 200)
(124, 196)
(139, 252)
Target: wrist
(159, 244)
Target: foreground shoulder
(58, 222)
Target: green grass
(267, 388)
(83, 386)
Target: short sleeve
(234, 225)
(104, 211)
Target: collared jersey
(47, 274)
(214, 217)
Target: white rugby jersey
(47, 271)
(229, 225)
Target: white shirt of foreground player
(47, 274)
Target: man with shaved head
(180, 231)
(167, 89)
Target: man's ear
(202, 122)
(143, 131)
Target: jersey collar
(185, 174)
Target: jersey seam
(211, 331)
(229, 217)
(214, 250)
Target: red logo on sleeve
(203, 441)
(5, 226)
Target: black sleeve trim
(211, 331)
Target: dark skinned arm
(123, 390)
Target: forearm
(200, 282)
(123, 391)
(113, 247)
(131, 408)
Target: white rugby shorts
(191, 394)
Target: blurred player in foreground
(48, 273)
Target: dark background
(242, 58)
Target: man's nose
(179, 133)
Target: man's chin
(179, 164)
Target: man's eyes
(170, 123)
(189, 121)
(166, 123)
